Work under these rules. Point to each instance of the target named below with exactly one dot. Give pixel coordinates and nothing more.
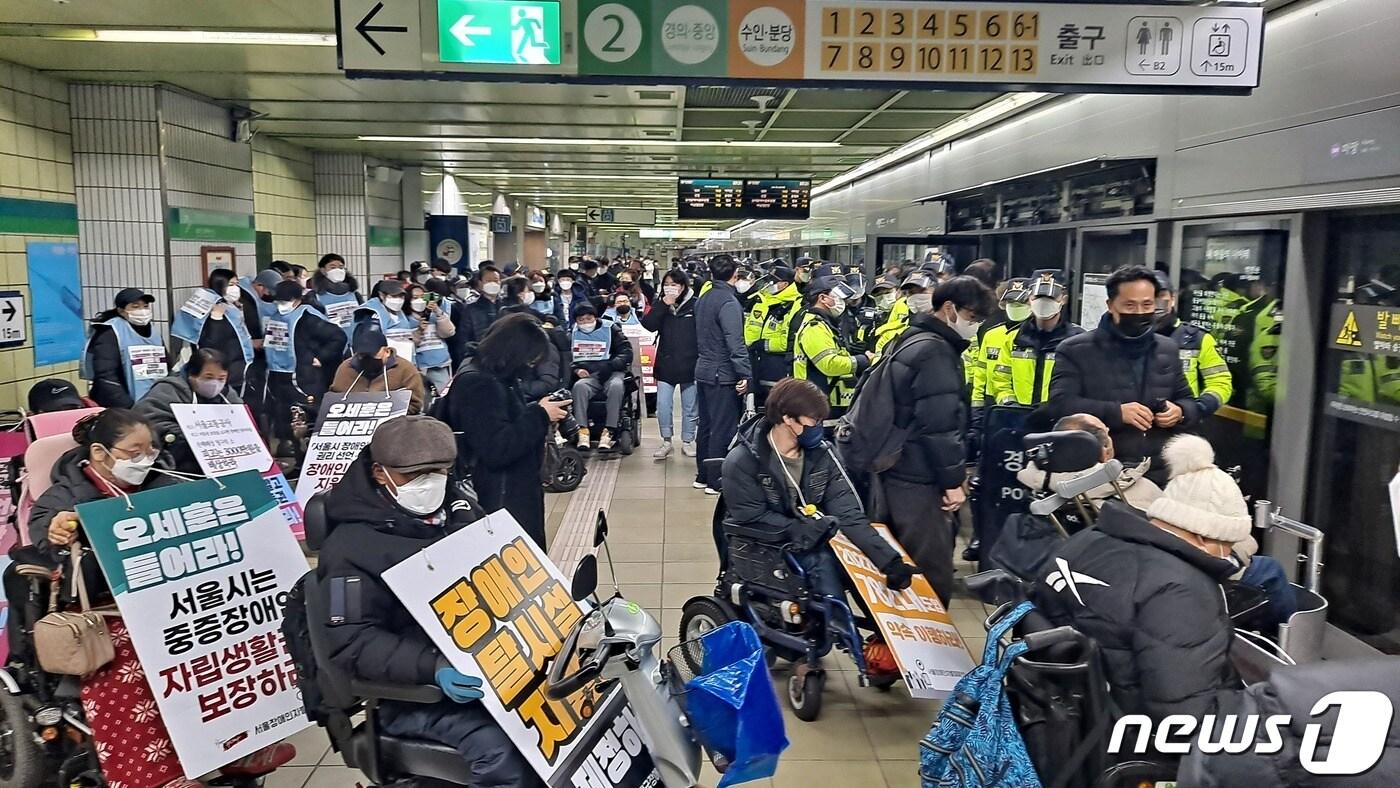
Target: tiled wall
(36, 163)
(341, 220)
(284, 199)
(383, 201)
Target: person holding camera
(1127, 374)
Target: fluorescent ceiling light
(216, 37)
(613, 143)
(564, 177)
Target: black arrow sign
(364, 28)
(9, 311)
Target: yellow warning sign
(1350, 333)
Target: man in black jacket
(722, 369)
(602, 355)
(478, 315)
(394, 501)
(1126, 373)
(925, 488)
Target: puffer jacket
(1099, 371)
(1155, 606)
(675, 329)
(157, 407)
(931, 397)
(722, 358)
(757, 494)
(368, 534)
(1294, 691)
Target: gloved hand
(459, 686)
(899, 575)
(813, 532)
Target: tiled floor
(664, 554)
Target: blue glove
(459, 686)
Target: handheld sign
(345, 427)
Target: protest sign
(498, 608)
(201, 573)
(644, 354)
(926, 645)
(345, 426)
(225, 441)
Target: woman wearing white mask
(672, 318)
(542, 294)
(336, 291)
(435, 330)
(303, 350)
(204, 381)
(125, 355)
(389, 307)
(213, 318)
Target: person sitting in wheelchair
(782, 477)
(602, 355)
(1148, 587)
(394, 501)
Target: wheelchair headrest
(314, 519)
(39, 460)
(44, 425)
(1064, 451)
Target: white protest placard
(201, 572)
(497, 608)
(200, 303)
(587, 350)
(148, 361)
(344, 428)
(926, 645)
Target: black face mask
(1133, 326)
(624, 310)
(372, 366)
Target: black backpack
(297, 635)
(869, 437)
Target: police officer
(1016, 309)
(1206, 370)
(1027, 357)
(125, 355)
(818, 353)
(768, 329)
(916, 283)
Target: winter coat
(502, 438)
(554, 370)
(721, 357)
(318, 339)
(931, 397)
(619, 358)
(757, 494)
(580, 295)
(1294, 691)
(1155, 606)
(397, 376)
(477, 318)
(368, 533)
(1100, 370)
(156, 408)
(675, 329)
(219, 335)
(109, 367)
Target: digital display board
(778, 199)
(710, 198)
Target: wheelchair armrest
(404, 693)
(763, 535)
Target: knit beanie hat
(1199, 497)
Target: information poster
(54, 282)
(344, 428)
(1093, 300)
(225, 441)
(930, 653)
(201, 573)
(497, 608)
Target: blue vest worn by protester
(189, 321)
(543, 307)
(592, 346)
(144, 357)
(280, 338)
(398, 328)
(340, 309)
(432, 350)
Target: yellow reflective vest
(1021, 375)
(893, 326)
(988, 355)
(819, 356)
(1206, 370)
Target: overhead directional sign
(634, 217)
(910, 44)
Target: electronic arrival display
(710, 198)
(778, 199)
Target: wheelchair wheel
(21, 761)
(625, 442)
(805, 694)
(568, 471)
(700, 615)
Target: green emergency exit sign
(499, 31)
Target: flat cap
(410, 444)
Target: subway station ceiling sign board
(936, 44)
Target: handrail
(1268, 518)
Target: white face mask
(920, 303)
(286, 307)
(885, 301)
(586, 327)
(743, 285)
(672, 291)
(538, 287)
(418, 304)
(139, 317)
(491, 288)
(233, 294)
(1045, 308)
(967, 329)
(336, 275)
(527, 298)
(394, 303)
(423, 495)
(838, 308)
(566, 284)
(777, 287)
(1017, 312)
(133, 471)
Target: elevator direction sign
(499, 32)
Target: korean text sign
(225, 441)
(345, 427)
(499, 609)
(201, 573)
(930, 653)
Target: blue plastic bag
(731, 704)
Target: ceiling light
(214, 37)
(566, 177)
(614, 143)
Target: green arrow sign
(499, 31)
